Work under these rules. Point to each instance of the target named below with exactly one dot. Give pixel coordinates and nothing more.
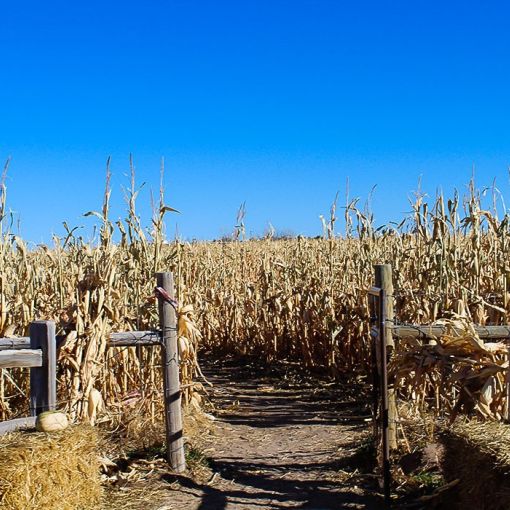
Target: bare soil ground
(281, 439)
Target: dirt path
(280, 441)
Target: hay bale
(60, 470)
(478, 455)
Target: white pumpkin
(51, 421)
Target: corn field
(302, 299)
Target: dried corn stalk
(456, 373)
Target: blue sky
(272, 102)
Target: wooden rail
(39, 353)
(9, 344)
(134, 338)
(149, 338)
(124, 339)
(435, 331)
(17, 424)
(30, 358)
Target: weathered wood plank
(21, 358)
(17, 424)
(434, 331)
(123, 339)
(134, 338)
(14, 343)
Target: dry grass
(492, 438)
(59, 470)
(477, 455)
(137, 469)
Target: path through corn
(281, 441)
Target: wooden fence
(386, 334)
(39, 353)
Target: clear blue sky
(272, 102)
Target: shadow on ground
(285, 440)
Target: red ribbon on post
(161, 293)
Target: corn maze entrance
(280, 440)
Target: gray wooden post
(43, 380)
(385, 403)
(507, 388)
(170, 362)
(384, 280)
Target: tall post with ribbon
(170, 363)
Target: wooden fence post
(43, 380)
(170, 362)
(507, 388)
(384, 280)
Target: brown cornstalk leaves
(91, 289)
(455, 373)
(292, 298)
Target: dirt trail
(281, 440)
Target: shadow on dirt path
(282, 440)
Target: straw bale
(478, 455)
(60, 470)
(492, 438)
